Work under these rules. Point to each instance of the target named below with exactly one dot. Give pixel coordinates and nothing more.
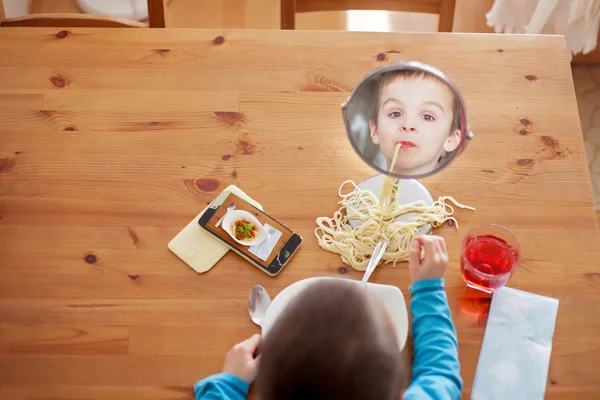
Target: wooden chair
(445, 8)
(156, 19)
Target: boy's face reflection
(417, 113)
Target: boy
(419, 111)
(336, 342)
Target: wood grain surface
(109, 136)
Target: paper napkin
(515, 353)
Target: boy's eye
(395, 114)
(428, 117)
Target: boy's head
(420, 111)
(334, 341)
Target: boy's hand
(240, 360)
(434, 261)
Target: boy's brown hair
(391, 76)
(334, 341)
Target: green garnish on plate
(244, 229)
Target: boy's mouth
(406, 144)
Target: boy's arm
(221, 386)
(239, 370)
(436, 370)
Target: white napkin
(515, 353)
(267, 248)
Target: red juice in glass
(489, 256)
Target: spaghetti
(390, 184)
(375, 223)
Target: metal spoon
(231, 207)
(258, 303)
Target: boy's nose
(408, 128)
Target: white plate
(409, 191)
(390, 296)
(233, 216)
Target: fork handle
(375, 258)
(264, 241)
(262, 244)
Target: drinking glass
(490, 254)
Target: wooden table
(113, 140)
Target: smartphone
(285, 247)
(199, 249)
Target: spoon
(258, 303)
(231, 207)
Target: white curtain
(577, 20)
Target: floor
(469, 17)
(587, 88)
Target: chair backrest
(156, 19)
(445, 8)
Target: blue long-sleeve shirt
(221, 387)
(436, 370)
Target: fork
(375, 258)
(269, 234)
